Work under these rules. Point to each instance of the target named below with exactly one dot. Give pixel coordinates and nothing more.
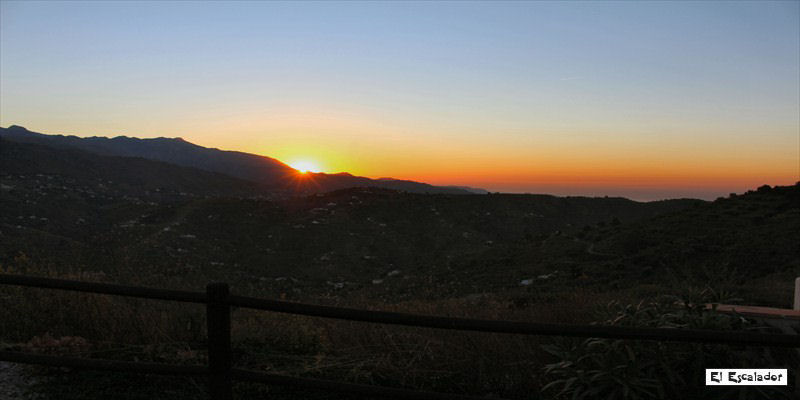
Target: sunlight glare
(304, 166)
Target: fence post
(218, 317)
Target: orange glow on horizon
(535, 161)
(563, 170)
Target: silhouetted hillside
(65, 206)
(731, 240)
(265, 171)
(175, 151)
(129, 176)
(342, 241)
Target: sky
(646, 100)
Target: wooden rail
(220, 371)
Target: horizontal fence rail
(395, 318)
(220, 372)
(523, 328)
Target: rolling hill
(72, 209)
(133, 217)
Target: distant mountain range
(267, 172)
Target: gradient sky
(642, 99)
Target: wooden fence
(220, 372)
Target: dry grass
(419, 358)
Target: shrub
(623, 369)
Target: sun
(305, 166)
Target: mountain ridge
(264, 170)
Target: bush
(624, 369)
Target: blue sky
(575, 97)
